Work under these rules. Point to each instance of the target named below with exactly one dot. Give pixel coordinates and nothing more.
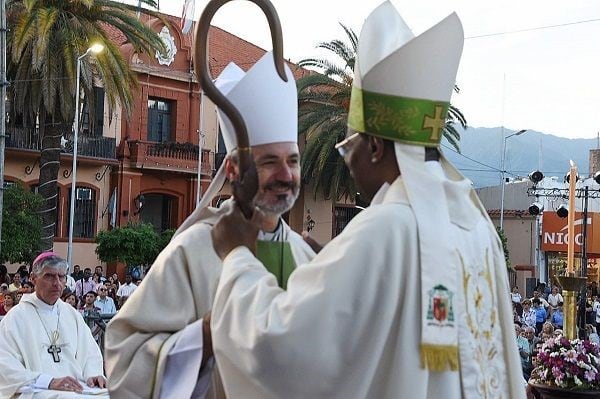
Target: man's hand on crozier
(234, 230)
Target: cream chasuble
(27, 333)
(177, 292)
(348, 325)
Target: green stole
(277, 258)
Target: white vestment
(349, 324)
(163, 317)
(24, 343)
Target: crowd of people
(86, 292)
(541, 317)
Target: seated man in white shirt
(104, 302)
(125, 290)
(44, 342)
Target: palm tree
(46, 38)
(324, 99)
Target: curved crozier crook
(245, 189)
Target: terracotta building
(145, 166)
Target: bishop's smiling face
(278, 168)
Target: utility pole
(3, 84)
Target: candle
(571, 220)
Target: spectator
(593, 288)
(558, 333)
(105, 303)
(77, 273)
(3, 290)
(84, 285)
(558, 316)
(540, 314)
(528, 317)
(590, 313)
(554, 298)
(70, 298)
(515, 296)
(524, 351)
(26, 287)
(125, 290)
(547, 331)
(590, 332)
(7, 304)
(96, 280)
(88, 303)
(18, 297)
(536, 295)
(4, 277)
(112, 288)
(100, 272)
(23, 273)
(70, 284)
(16, 284)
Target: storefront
(554, 241)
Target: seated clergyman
(44, 342)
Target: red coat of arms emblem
(440, 310)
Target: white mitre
(269, 107)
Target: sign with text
(555, 232)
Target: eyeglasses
(343, 146)
(102, 289)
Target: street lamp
(520, 132)
(95, 48)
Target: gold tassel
(439, 357)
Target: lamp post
(95, 48)
(520, 132)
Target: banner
(555, 237)
(187, 15)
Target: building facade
(538, 243)
(144, 166)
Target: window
(221, 151)
(98, 122)
(342, 215)
(99, 115)
(85, 212)
(159, 119)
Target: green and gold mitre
(402, 83)
(409, 120)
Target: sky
(546, 80)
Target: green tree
(324, 99)
(44, 42)
(135, 244)
(21, 225)
(504, 241)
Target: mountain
(484, 148)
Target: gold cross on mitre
(435, 123)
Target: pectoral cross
(54, 350)
(435, 123)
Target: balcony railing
(178, 157)
(29, 139)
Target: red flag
(187, 15)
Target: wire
(534, 29)
(493, 168)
